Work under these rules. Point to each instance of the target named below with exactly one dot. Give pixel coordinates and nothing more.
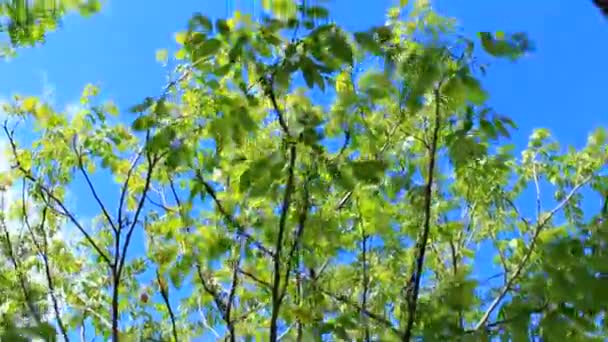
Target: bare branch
(275, 105)
(120, 255)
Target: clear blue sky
(561, 86)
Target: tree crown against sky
(296, 181)
(26, 23)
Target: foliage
(28, 22)
(301, 182)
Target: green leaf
(309, 71)
(511, 46)
(162, 56)
(142, 123)
(340, 47)
(260, 175)
(199, 21)
(368, 171)
(317, 12)
(367, 41)
(162, 140)
(222, 26)
(474, 93)
(207, 48)
(142, 107)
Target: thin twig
(255, 278)
(121, 254)
(28, 175)
(378, 318)
(164, 292)
(344, 199)
(125, 187)
(43, 253)
(540, 225)
(204, 321)
(537, 186)
(91, 186)
(230, 219)
(17, 265)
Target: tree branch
(302, 217)
(230, 219)
(43, 253)
(537, 187)
(91, 186)
(539, 226)
(28, 175)
(413, 285)
(17, 265)
(231, 297)
(125, 185)
(164, 292)
(120, 255)
(378, 318)
(276, 283)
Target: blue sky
(560, 86)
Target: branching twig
(17, 265)
(28, 175)
(43, 253)
(378, 318)
(125, 186)
(344, 199)
(121, 253)
(539, 226)
(91, 186)
(230, 219)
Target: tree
(28, 22)
(301, 182)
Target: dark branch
(28, 175)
